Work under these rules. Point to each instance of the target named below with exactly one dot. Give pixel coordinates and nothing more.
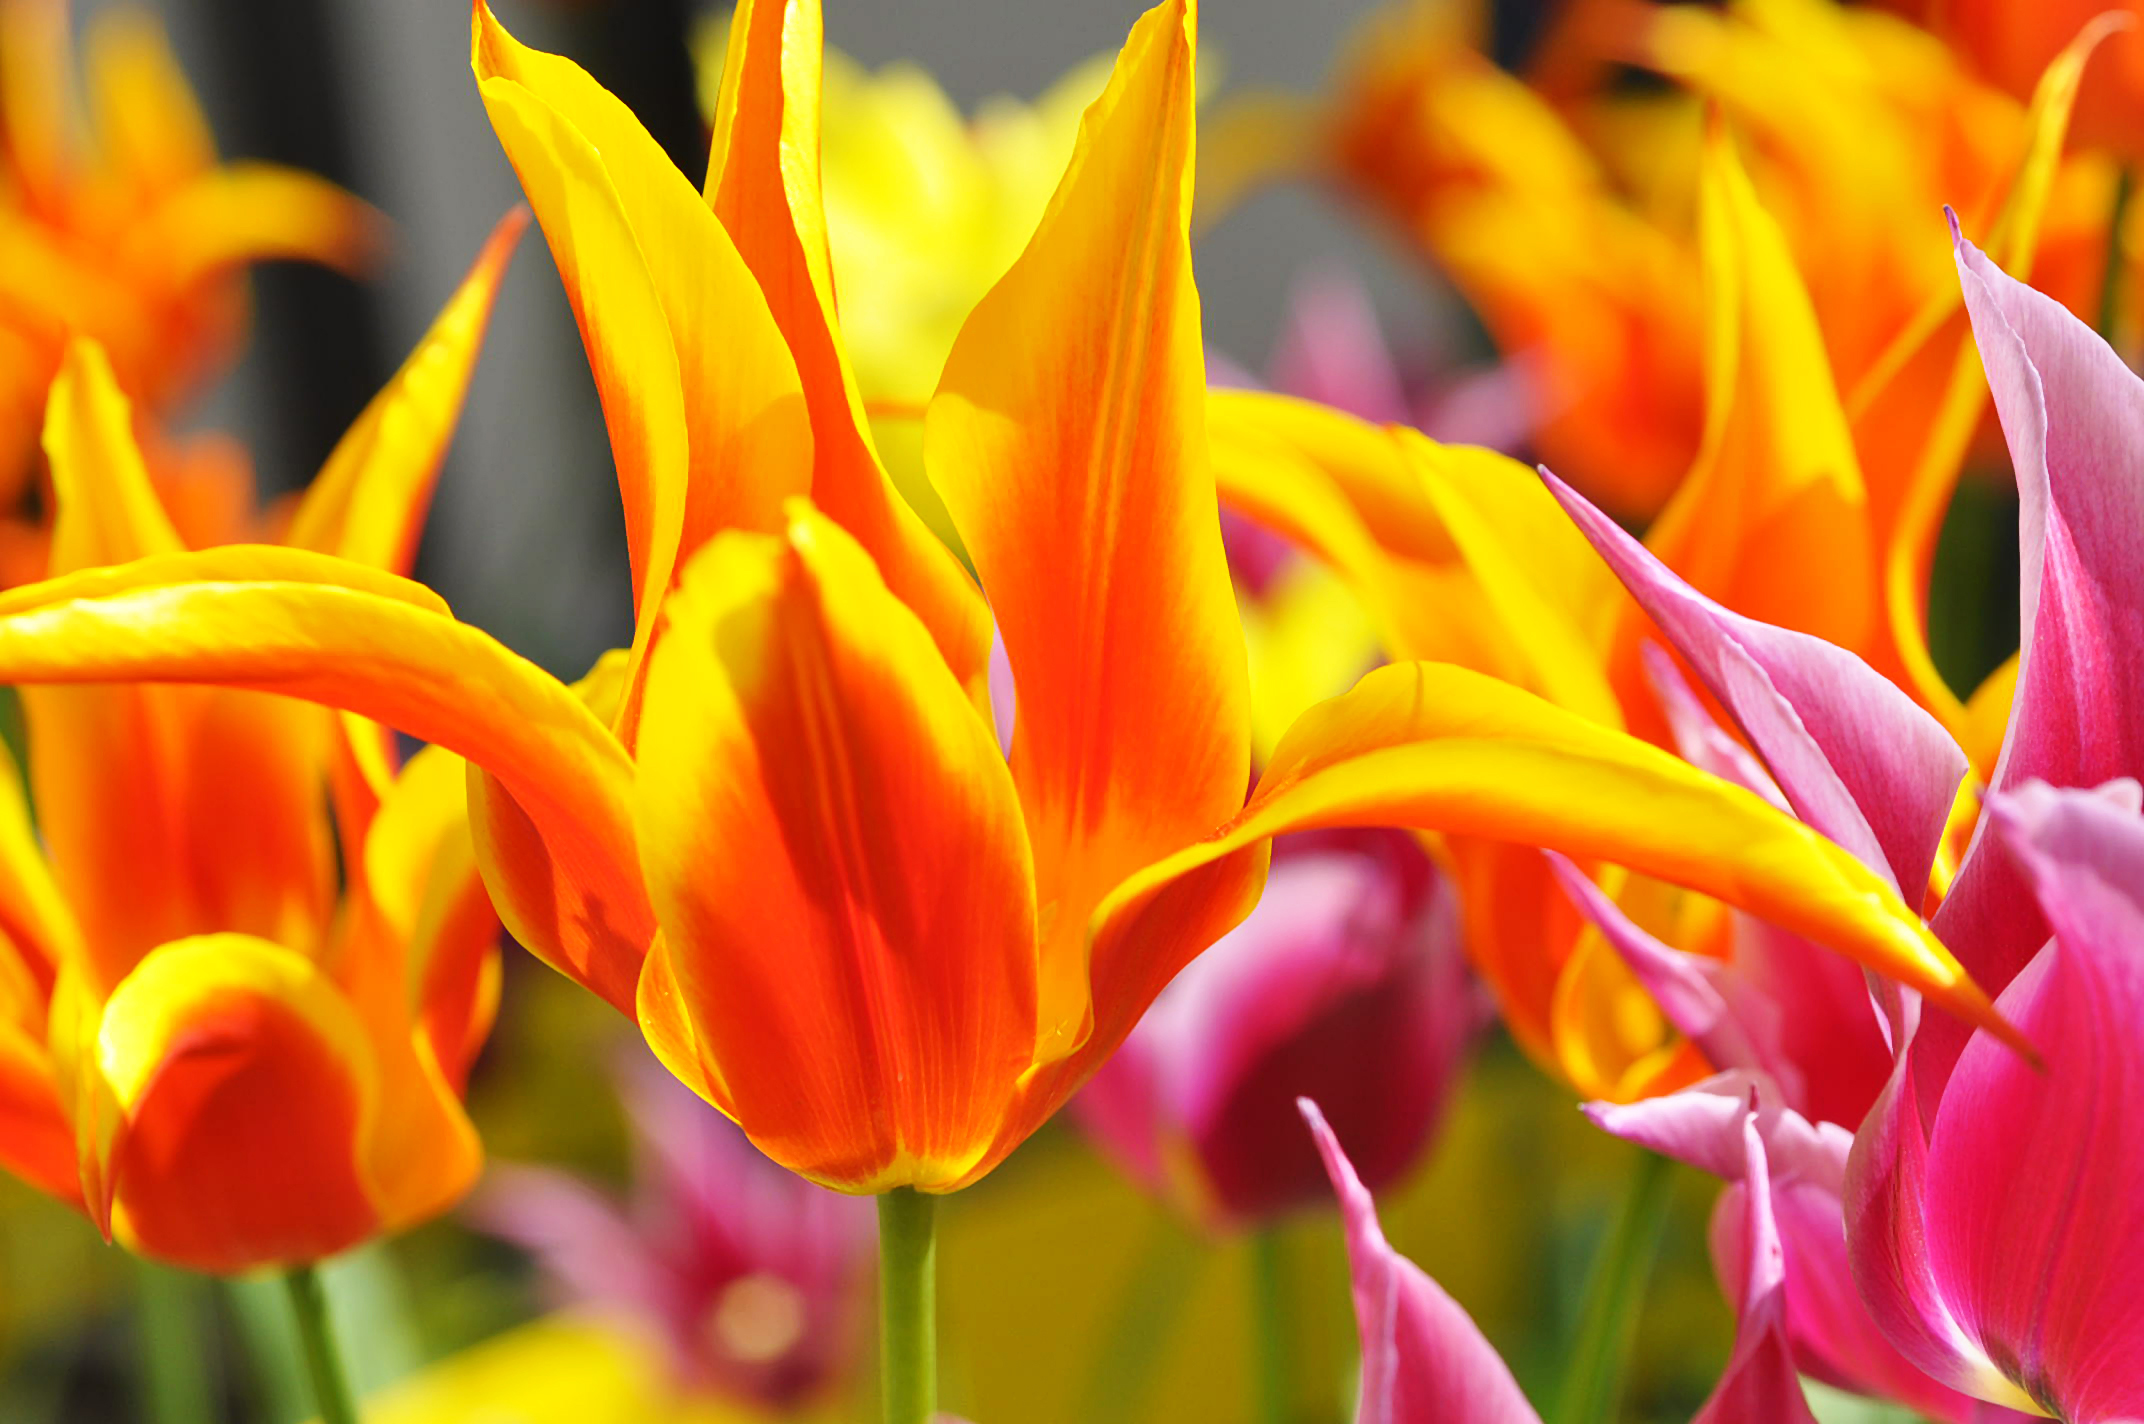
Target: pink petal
(1688, 987)
(1856, 758)
(1702, 1126)
(2074, 417)
(1422, 1357)
(2035, 1186)
(1699, 740)
(1761, 1385)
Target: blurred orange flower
(124, 227)
(1565, 212)
(1809, 503)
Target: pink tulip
(1988, 1204)
(1346, 983)
(746, 1272)
(1425, 1362)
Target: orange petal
(372, 644)
(1916, 414)
(369, 499)
(1776, 494)
(149, 124)
(1444, 749)
(242, 213)
(246, 1088)
(168, 811)
(763, 183)
(1068, 438)
(834, 843)
(36, 1140)
(683, 345)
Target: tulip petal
(1445, 749)
(706, 415)
(1458, 554)
(1071, 417)
(763, 184)
(835, 846)
(37, 1141)
(1761, 1385)
(2074, 417)
(1777, 487)
(2031, 1187)
(133, 782)
(1422, 1357)
(246, 1086)
(1913, 452)
(328, 631)
(1689, 988)
(369, 499)
(241, 213)
(148, 123)
(1853, 754)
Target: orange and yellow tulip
(779, 829)
(222, 1059)
(131, 232)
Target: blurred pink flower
(1347, 983)
(747, 1272)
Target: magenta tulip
(1347, 983)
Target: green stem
(316, 1336)
(1269, 1327)
(908, 1305)
(2110, 281)
(176, 1354)
(1608, 1319)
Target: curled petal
(246, 1089)
(2074, 416)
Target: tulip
(1346, 983)
(223, 1062)
(778, 829)
(1423, 1358)
(1971, 1157)
(133, 233)
(745, 1273)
